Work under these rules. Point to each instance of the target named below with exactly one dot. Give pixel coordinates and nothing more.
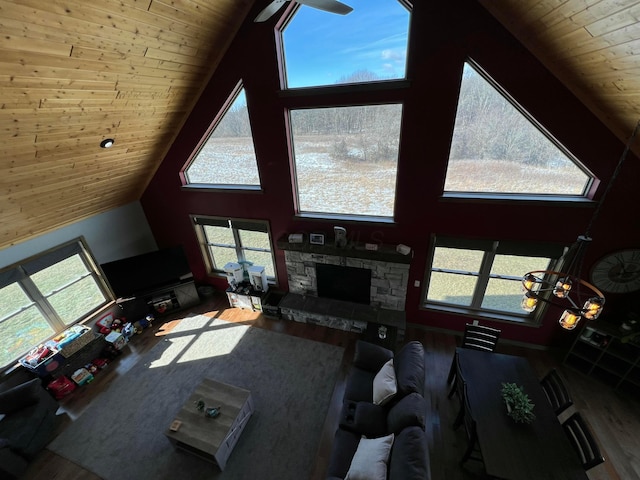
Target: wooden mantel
(384, 253)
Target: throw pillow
(371, 459)
(384, 384)
(21, 396)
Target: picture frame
(316, 238)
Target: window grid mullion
(239, 249)
(42, 304)
(483, 277)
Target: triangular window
(497, 149)
(369, 44)
(227, 157)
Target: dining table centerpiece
(519, 405)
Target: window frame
(231, 98)
(358, 217)
(511, 196)
(200, 221)
(490, 249)
(384, 91)
(18, 273)
(285, 19)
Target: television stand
(245, 296)
(172, 298)
(162, 300)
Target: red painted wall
(443, 35)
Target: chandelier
(566, 289)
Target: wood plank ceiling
(73, 73)
(592, 46)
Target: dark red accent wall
(443, 36)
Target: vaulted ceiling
(74, 73)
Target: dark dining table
(515, 451)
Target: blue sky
(322, 47)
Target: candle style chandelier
(567, 289)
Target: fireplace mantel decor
(384, 253)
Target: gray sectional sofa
(28, 424)
(381, 433)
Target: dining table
(539, 450)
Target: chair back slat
(556, 391)
(480, 337)
(583, 441)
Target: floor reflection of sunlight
(177, 345)
(229, 315)
(214, 343)
(197, 338)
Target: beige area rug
(120, 436)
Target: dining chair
(480, 337)
(458, 389)
(476, 337)
(556, 391)
(583, 441)
(473, 451)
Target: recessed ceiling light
(107, 143)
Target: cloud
(390, 54)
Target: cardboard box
(116, 339)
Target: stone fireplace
(378, 294)
(389, 280)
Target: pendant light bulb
(569, 320)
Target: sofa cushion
(370, 357)
(408, 412)
(21, 396)
(410, 456)
(384, 384)
(29, 429)
(370, 420)
(409, 365)
(371, 459)
(359, 385)
(345, 444)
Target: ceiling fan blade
(332, 6)
(270, 9)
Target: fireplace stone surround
(389, 280)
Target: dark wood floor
(614, 419)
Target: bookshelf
(605, 352)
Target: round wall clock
(618, 272)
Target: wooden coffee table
(212, 438)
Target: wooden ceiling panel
(592, 46)
(73, 73)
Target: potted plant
(519, 406)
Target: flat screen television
(350, 284)
(132, 276)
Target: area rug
(121, 434)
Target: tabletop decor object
(519, 406)
(210, 412)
